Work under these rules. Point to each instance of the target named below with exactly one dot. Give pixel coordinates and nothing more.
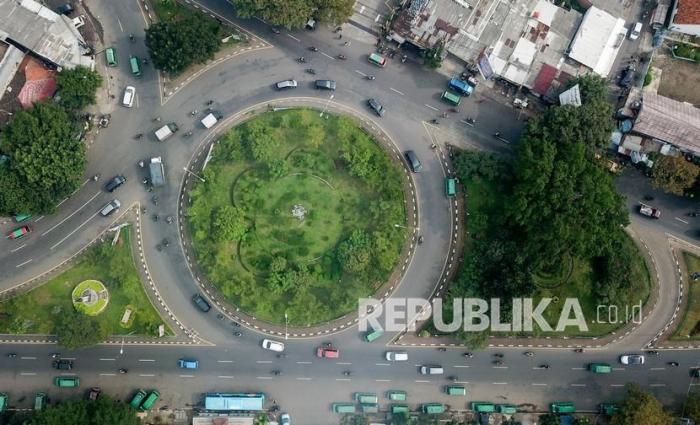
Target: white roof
(598, 40)
(524, 52)
(544, 12)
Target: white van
(209, 121)
(129, 95)
(636, 31)
(431, 370)
(396, 356)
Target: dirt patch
(679, 78)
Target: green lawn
(167, 10)
(690, 326)
(36, 311)
(485, 197)
(306, 153)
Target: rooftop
(598, 40)
(668, 120)
(688, 12)
(39, 29)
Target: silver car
(111, 207)
(632, 359)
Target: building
(669, 121)
(598, 40)
(685, 17)
(32, 27)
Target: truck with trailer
(649, 211)
(157, 171)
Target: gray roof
(44, 32)
(671, 121)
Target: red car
(19, 232)
(328, 352)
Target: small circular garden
(298, 214)
(90, 297)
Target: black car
(376, 107)
(65, 9)
(62, 364)
(325, 84)
(94, 393)
(413, 161)
(114, 183)
(201, 303)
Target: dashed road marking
(462, 366)
(292, 37)
(578, 368)
(225, 376)
(28, 358)
(382, 364)
(107, 374)
(18, 248)
(658, 368)
(578, 385)
(360, 72)
(263, 361)
(538, 384)
(27, 373)
(500, 367)
(146, 374)
(431, 107)
(328, 56)
(23, 264)
(263, 377)
(396, 91)
(303, 378)
(422, 382)
(303, 362)
(224, 361)
(343, 379)
(681, 220)
(146, 360)
(186, 376)
(499, 383)
(107, 360)
(382, 380)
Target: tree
(45, 156)
(549, 419)
(75, 330)
(294, 13)
(228, 224)
(103, 411)
(640, 408)
(691, 408)
(175, 45)
(674, 174)
(77, 87)
(432, 58)
(355, 253)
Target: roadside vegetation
(294, 13)
(49, 309)
(674, 174)
(689, 327)
(298, 214)
(548, 222)
(103, 411)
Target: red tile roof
(544, 79)
(688, 12)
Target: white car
(285, 419)
(632, 359)
(286, 84)
(271, 345)
(396, 356)
(636, 31)
(129, 95)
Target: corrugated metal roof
(674, 122)
(598, 40)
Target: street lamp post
(398, 225)
(326, 106)
(286, 324)
(194, 174)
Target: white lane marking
(107, 374)
(618, 368)
(500, 367)
(146, 360)
(617, 385)
(658, 368)
(342, 379)
(396, 91)
(19, 247)
(76, 229)
(461, 382)
(303, 362)
(499, 383)
(292, 37)
(377, 18)
(72, 214)
(462, 366)
(68, 358)
(578, 385)
(328, 56)
(107, 360)
(431, 107)
(27, 374)
(578, 368)
(224, 361)
(147, 374)
(39, 219)
(538, 385)
(303, 378)
(344, 363)
(23, 264)
(657, 385)
(681, 220)
(120, 25)
(263, 377)
(361, 73)
(422, 382)
(186, 376)
(28, 358)
(382, 364)
(67, 374)
(225, 376)
(382, 380)
(362, 9)
(263, 361)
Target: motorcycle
(673, 364)
(544, 366)
(442, 349)
(11, 355)
(652, 353)
(301, 59)
(131, 37)
(313, 49)
(471, 121)
(468, 355)
(122, 371)
(420, 239)
(497, 362)
(498, 355)
(435, 121)
(237, 334)
(276, 372)
(347, 373)
(529, 353)
(342, 57)
(275, 30)
(281, 356)
(578, 350)
(311, 71)
(370, 77)
(452, 378)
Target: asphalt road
(411, 96)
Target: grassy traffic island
(298, 215)
(100, 294)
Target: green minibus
(376, 59)
(608, 409)
(450, 187)
(371, 335)
(65, 382)
(399, 408)
(483, 407)
(3, 402)
(135, 68)
(600, 368)
(456, 390)
(343, 407)
(433, 408)
(39, 401)
(396, 395)
(138, 397)
(369, 407)
(22, 217)
(366, 398)
(506, 409)
(452, 98)
(562, 407)
(111, 55)
(149, 401)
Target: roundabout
(298, 216)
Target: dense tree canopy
(175, 45)
(294, 13)
(674, 174)
(76, 330)
(77, 87)
(104, 411)
(228, 223)
(641, 408)
(45, 159)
